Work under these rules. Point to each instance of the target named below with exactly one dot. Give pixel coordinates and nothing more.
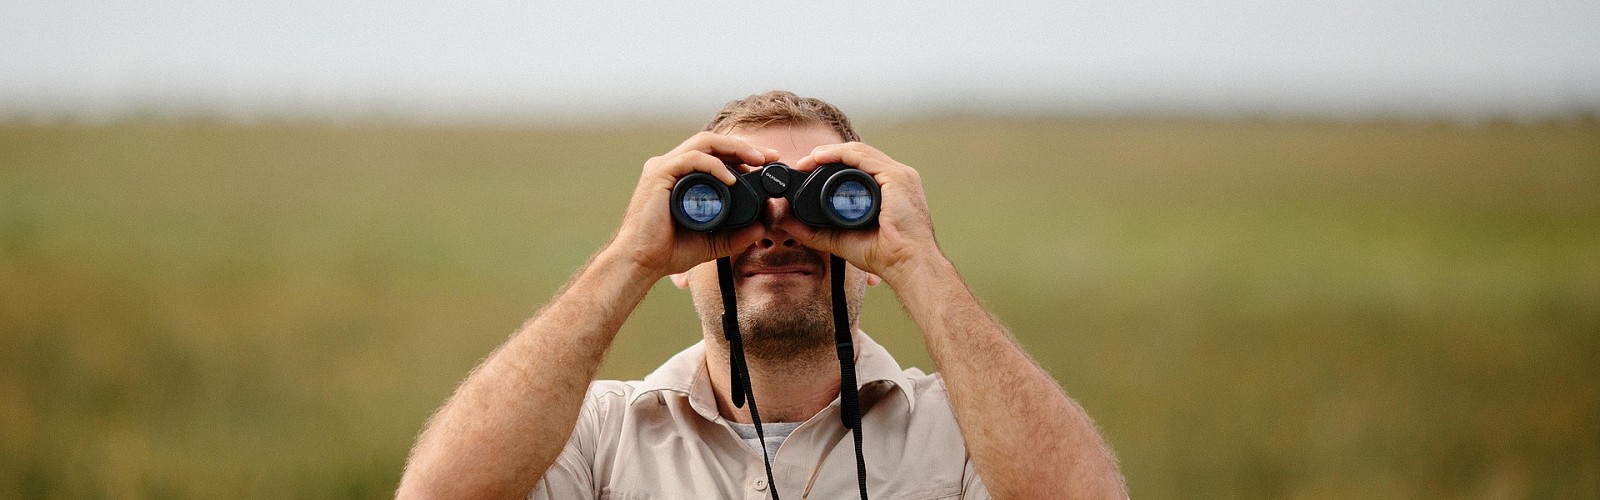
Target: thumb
(826, 240)
(736, 241)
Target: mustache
(779, 259)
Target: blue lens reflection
(701, 203)
(851, 201)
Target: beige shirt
(663, 438)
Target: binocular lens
(851, 201)
(701, 203)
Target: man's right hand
(648, 237)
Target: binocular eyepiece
(832, 196)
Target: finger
(807, 236)
(714, 245)
(724, 147)
(853, 154)
(740, 239)
(826, 240)
(682, 164)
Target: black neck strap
(739, 374)
(844, 344)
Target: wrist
(919, 269)
(624, 266)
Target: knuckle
(700, 160)
(718, 246)
(682, 161)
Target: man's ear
(681, 280)
(873, 279)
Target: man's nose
(777, 210)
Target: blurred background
(1277, 249)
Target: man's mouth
(780, 265)
(780, 271)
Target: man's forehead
(792, 141)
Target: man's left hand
(903, 237)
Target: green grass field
(1250, 310)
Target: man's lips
(794, 270)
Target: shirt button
(761, 485)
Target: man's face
(785, 304)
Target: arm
(506, 424)
(1025, 436)
(508, 421)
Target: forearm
(510, 419)
(1026, 437)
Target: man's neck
(787, 390)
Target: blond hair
(781, 107)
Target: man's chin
(778, 324)
(788, 341)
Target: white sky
(565, 60)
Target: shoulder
(924, 381)
(610, 394)
(611, 389)
(917, 396)
(604, 401)
(611, 401)
(925, 386)
(600, 417)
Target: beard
(776, 332)
(783, 326)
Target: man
(992, 423)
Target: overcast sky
(562, 60)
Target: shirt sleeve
(572, 475)
(972, 487)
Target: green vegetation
(1250, 310)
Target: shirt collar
(685, 373)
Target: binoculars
(832, 196)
